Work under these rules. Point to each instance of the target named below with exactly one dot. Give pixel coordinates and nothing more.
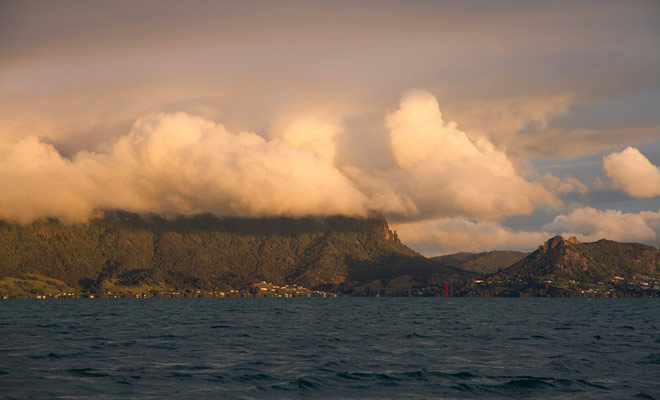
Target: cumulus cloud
(178, 163)
(446, 194)
(175, 163)
(38, 182)
(449, 235)
(633, 173)
(448, 173)
(589, 224)
(383, 196)
(565, 185)
(316, 134)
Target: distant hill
(130, 254)
(482, 263)
(124, 250)
(562, 267)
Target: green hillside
(132, 255)
(563, 267)
(125, 250)
(483, 263)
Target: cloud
(503, 119)
(565, 185)
(175, 163)
(450, 174)
(589, 224)
(380, 187)
(633, 173)
(450, 235)
(38, 182)
(71, 74)
(178, 163)
(318, 135)
(444, 191)
(576, 142)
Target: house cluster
(641, 282)
(266, 289)
(63, 295)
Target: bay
(330, 348)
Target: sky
(472, 125)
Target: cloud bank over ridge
(178, 163)
(175, 163)
(445, 191)
(295, 108)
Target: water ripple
(330, 348)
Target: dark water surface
(330, 348)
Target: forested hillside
(206, 252)
(562, 267)
(125, 253)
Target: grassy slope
(31, 285)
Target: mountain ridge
(198, 252)
(567, 267)
(123, 252)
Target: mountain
(482, 263)
(563, 267)
(124, 251)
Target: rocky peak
(390, 235)
(384, 227)
(558, 242)
(554, 242)
(562, 253)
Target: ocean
(330, 348)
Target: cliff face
(196, 252)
